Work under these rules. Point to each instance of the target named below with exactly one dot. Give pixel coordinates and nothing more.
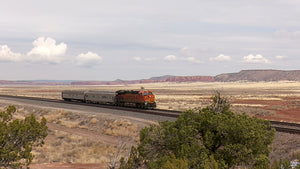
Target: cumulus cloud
(137, 59)
(46, 50)
(88, 59)
(221, 57)
(192, 59)
(8, 56)
(280, 57)
(186, 51)
(175, 58)
(255, 59)
(170, 58)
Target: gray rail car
(100, 97)
(73, 95)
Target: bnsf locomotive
(130, 98)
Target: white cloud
(46, 50)
(88, 59)
(186, 51)
(192, 59)
(255, 59)
(137, 59)
(280, 57)
(7, 55)
(170, 58)
(221, 57)
(175, 58)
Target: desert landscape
(265, 99)
(183, 51)
(87, 139)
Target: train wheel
(139, 106)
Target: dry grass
(64, 147)
(177, 96)
(285, 145)
(78, 137)
(120, 128)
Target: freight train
(144, 99)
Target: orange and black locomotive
(131, 98)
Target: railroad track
(158, 112)
(285, 127)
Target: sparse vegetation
(213, 137)
(87, 141)
(18, 137)
(67, 126)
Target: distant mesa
(260, 75)
(151, 80)
(244, 75)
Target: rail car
(129, 98)
(100, 97)
(73, 95)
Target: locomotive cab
(148, 98)
(139, 99)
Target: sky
(137, 39)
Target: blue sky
(136, 39)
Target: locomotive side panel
(139, 99)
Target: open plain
(90, 137)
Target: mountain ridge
(255, 75)
(260, 75)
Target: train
(143, 99)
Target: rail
(286, 127)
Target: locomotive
(130, 98)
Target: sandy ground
(89, 140)
(80, 139)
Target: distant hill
(151, 80)
(259, 75)
(33, 82)
(244, 75)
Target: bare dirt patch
(87, 140)
(284, 109)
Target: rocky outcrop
(244, 75)
(190, 79)
(260, 75)
(151, 80)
